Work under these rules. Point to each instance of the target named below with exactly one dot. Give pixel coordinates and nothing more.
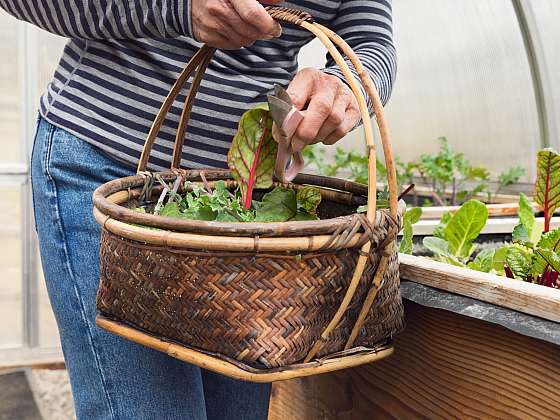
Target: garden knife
(286, 120)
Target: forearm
(367, 27)
(109, 19)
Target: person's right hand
(232, 24)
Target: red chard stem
(252, 175)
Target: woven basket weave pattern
(263, 310)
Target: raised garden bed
(447, 364)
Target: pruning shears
(286, 119)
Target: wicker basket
(256, 301)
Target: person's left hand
(332, 109)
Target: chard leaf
(437, 245)
(440, 228)
(200, 213)
(526, 215)
(519, 262)
(309, 199)
(529, 230)
(484, 261)
(278, 205)
(552, 258)
(499, 260)
(252, 154)
(520, 234)
(172, 210)
(440, 249)
(464, 227)
(411, 217)
(550, 241)
(548, 183)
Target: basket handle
(331, 41)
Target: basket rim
(107, 201)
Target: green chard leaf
(519, 260)
(529, 230)
(548, 183)
(411, 217)
(464, 227)
(172, 210)
(440, 228)
(484, 261)
(550, 241)
(499, 259)
(252, 154)
(278, 205)
(309, 198)
(552, 258)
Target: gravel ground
(51, 390)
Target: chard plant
(251, 159)
(533, 255)
(441, 172)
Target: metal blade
(279, 109)
(282, 94)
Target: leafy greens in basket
(251, 159)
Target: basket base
(238, 370)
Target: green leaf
(464, 227)
(484, 261)
(279, 205)
(520, 234)
(309, 199)
(528, 229)
(201, 213)
(440, 228)
(519, 262)
(499, 259)
(552, 258)
(510, 176)
(550, 241)
(171, 210)
(411, 217)
(245, 149)
(548, 183)
(440, 248)
(437, 245)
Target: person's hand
(232, 24)
(332, 109)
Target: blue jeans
(111, 378)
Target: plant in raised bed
(534, 253)
(446, 170)
(453, 240)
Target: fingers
(332, 109)
(351, 118)
(253, 13)
(232, 24)
(337, 115)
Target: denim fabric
(111, 378)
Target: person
(116, 69)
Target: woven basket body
(264, 309)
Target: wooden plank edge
(518, 295)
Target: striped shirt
(123, 56)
